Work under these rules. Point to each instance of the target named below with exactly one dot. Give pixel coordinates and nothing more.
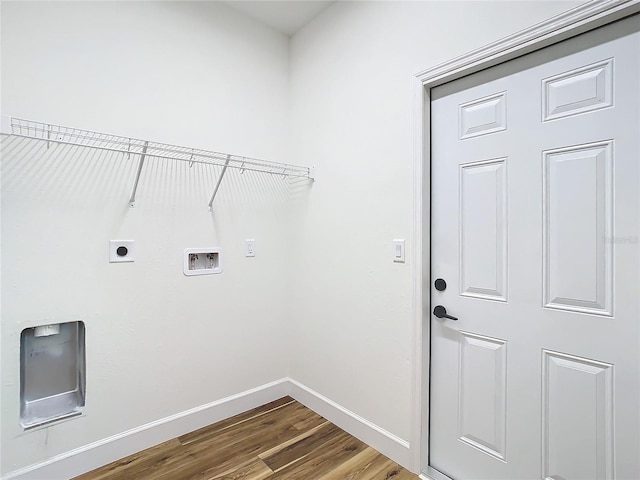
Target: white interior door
(535, 214)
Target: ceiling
(285, 16)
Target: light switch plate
(121, 251)
(398, 250)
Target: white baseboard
(110, 449)
(385, 442)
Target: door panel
(483, 116)
(483, 229)
(535, 227)
(577, 416)
(577, 221)
(578, 91)
(482, 393)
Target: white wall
(352, 116)
(158, 343)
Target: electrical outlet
(121, 251)
(250, 247)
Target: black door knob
(440, 284)
(441, 312)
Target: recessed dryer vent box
(52, 373)
(202, 261)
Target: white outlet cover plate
(250, 247)
(113, 251)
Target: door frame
(586, 17)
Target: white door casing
(535, 213)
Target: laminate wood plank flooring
(282, 440)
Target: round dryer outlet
(121, 251)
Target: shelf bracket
(132, 200)
(215, 190)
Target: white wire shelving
(52, 133)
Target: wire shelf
(131, 146)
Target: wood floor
(278, 441)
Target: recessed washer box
(201, 261)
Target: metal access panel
(52, 373)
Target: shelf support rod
(215, 190)
(132, 200)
